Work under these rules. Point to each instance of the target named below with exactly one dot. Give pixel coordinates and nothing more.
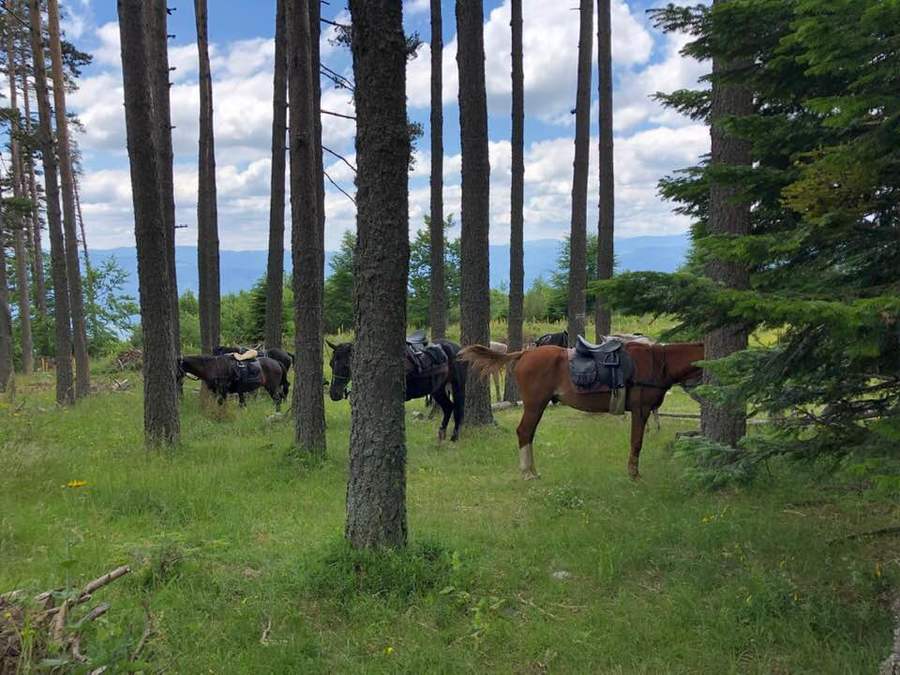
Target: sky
(650, 142)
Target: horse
(560, 339)
(542, 373)
(219, 374)
(285, 358)
(451, 373)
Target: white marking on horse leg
(526, 462)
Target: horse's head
(341, 358)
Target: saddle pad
(600, 372)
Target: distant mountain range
(240, 270)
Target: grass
(231, 538)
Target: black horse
(224, 375)
(556, 339)
(434, 381)
(285, 358)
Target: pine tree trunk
(19, 227)
(726, 424)
(275, 265)
(161, 423)
(37, 253)
(577, 307)
(516, 219)
(6, 333)
(605, 226)
(207, 213)
(65, 386)
(306, 234)
(376, 490)
(73, 267)
(158, 61)
(475, 305)
(438, 298)
(315, 15)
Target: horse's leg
(241, 402)
(459, 405)
(639, 417)
(441, 398)
(531, 417)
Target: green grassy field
(236, 549)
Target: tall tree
(475, 306)
(577, 308)
(19, 228)
(728, 216)
(275, 264)
(161, 423)
(438, 301)
(315, 29)
(63, 150)
(65, 387)
(606, 222)
(37, 253)
(517, 196)
(6, 333)
(207, 211)
(157, 44)
(376, 490)
(306, 241)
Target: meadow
(238, 563)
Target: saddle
(246, 373)
(423, 359)
(601, 367)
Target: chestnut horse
(542, 373)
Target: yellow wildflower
(388, 650)
(76, 483)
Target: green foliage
(419, 292)
(339, 287)
(823, 249)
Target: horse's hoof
(454, 438)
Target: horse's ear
(329, 343)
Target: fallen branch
(882, 531)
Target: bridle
(341, 381)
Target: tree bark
(65, 389)
(275, 266)
(577, 308)
(63, 149)
(207, 213)
(438, 298)
(517, 186)
(726, 424)
(306, 239)
(19, 227)
(161, 423)
(605, 224)
(376, 490)
(157, 44)
(475, 305)
(37, 253)
(6, 334)
(315, 15)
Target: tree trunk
(516, 219)
(438, 298)
(306, 243)
(726, 424)
(19, 227)
(161, 423)
(76, 296)
(275, 266)
(37, 253)
(376, 490)
(158, 62)
(578, 237)
(6, 334)
(605, 225)
(315, 15)
(207, 214)
(65, 389)
(475, 304)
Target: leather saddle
(423, 358)
(246, 373)
(600, 367)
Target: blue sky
(650, 142)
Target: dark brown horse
(223, 376)
(542, 373)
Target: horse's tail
(485, 362)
